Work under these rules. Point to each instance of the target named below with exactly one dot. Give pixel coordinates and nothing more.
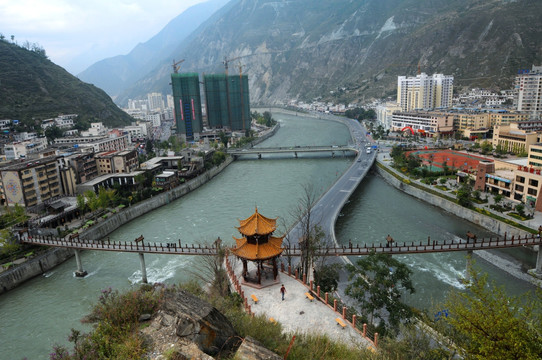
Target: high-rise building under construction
(187, 100)
(227, 100)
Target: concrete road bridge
(332, 150)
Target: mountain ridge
(348, 51)
(34, 88)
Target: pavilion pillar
(259, 272)
(245, 267)
(80, 272)
(143, 268)
(275, 269)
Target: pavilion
(258, 245)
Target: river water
(41, 312)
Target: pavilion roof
(257, 224)
(268, 250)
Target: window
(533, 182)
(532, 191)
(520, 179)
(519, 187)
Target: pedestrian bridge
(392, 248)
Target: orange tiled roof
(253, 252)
(257, 224)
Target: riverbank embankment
(397, 180)
(39, 265)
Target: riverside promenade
(297, 313)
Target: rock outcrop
(183, 319)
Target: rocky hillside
(353, 50)
(32, 87)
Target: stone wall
(33, 267)
(491, 224)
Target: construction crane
(227, 61)
(177, 65)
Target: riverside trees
(378, 283)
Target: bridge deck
(430, 246)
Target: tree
(464, 195)
(81, 203)
(413, 162)
(520, 209)
(489, 325)
(327, 277)
(223, 138)
(91, 200)
(378, 281)
(498, 198)
(486, 147)
(53, 132)
(312, 236)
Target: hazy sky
(77, 33)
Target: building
(83, 165)
(187, 100)
(528, 87)
(424, 92)
(258, 244)
(424, 123)
(155, 101)
(98, 143)
(116, 162)
(216, 101)
(384, 113)
(227, 102)
(512, 138)
(23, 149)
(30, 183)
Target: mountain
(347, 50)
(120, 72)
(32, 87)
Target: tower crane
(177, 65)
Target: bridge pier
(537, 271)
(469, 265)
(259, 156)
(143, 268)
(80, 272)
(295, 153)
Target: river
(41, 312)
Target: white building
(384, 113)
(424, 92)
(155, 119)
(19, 150)
(529, 90)
(155, 101)
(96, 129)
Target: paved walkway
(297, 313)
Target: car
(359, 160)
(368, 151)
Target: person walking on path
(282, 291)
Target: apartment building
(29, 183)
(424, 92)
(528, 87)
(116, 162)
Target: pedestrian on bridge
(389, 240)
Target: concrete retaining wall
(103, 228)
(493, 225)
(33, 267)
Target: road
(326, 210)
